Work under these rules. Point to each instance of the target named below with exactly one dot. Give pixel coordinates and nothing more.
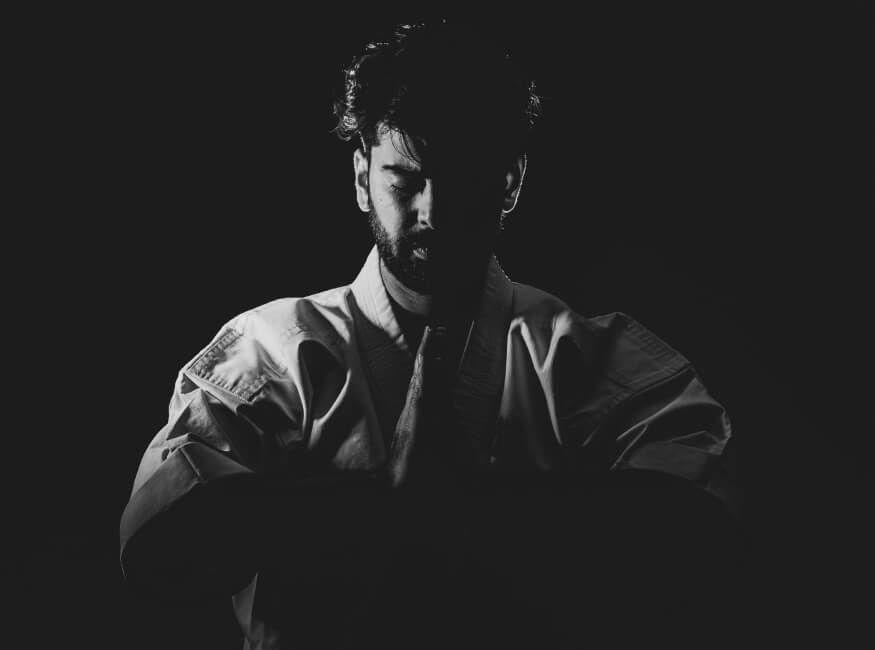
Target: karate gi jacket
(315, 385)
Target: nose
(424, 205)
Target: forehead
(454, 157)
(396, 148)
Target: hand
(420, 443)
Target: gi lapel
(389, 360)
(387, 357)
(477, 392)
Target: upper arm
(674, 427)
(630, 401)
(223, 430)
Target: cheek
(390, 213)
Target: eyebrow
(399, 169)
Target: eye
(407, 187)
(404, 190)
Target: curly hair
(435, 83)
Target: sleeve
(193, 507)
(628, 515)
(675, 428)
(664, 504)
(643, 408)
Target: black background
(707, 170)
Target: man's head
(441, 118)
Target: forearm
(182, 542)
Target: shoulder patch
(231, 363)
(637, 356)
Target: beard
(453, 263)
(397, 254)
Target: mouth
(421, 252)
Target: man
(404, 458)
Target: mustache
(424, 239)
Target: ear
(361, 165)
(514, 183)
